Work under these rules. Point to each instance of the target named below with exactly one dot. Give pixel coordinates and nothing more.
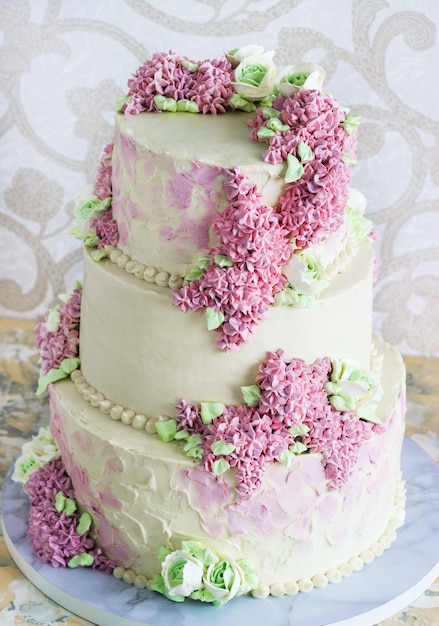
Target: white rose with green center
(34, 454)
(225, 580)
(182, 573)
(352, 387)
(304, 271)
(298, 77)
(254, 77)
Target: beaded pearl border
(305, 585)
(116, 412)
(162, 278)
(148, 273)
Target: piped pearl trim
(116, 412)
(305, 585)
(162, 278)
(147, 273)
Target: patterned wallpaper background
(64, 62)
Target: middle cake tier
(145, 354)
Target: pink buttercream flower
(338, 436)
(62, 343)
(106, 229)
(292, 394)
(208, 83)
(212, 90)
(52, 533)
(312, 206)
(103, 186)
(256, 247)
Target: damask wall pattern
(64, 62)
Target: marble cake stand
(381, 589)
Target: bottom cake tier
(295, 532)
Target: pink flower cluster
(53, 534)
(55, 346)
(105, 228)
(256, 248)
(103, 185)
(173, 76)
(312, 206)
(291, 393)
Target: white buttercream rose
(305, 272)
(34, 454)
(353, 388)
(224, 580)
(294, 78)
(182, 573)
(255, 76)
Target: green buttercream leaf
(275, 124)
(298, 429)
(220, 466)
(193, 447)
(191, 67)
(348, 159)
(304, 151)
(180, 435)
(211, 410)
(286, 458)
(91, 240)
(351, 123)
(120, 101)
(163, 553)
(294, 169)
(239, 102)
(158, 585)
(69, 506)
(265, 133)
(187, 106)
(251, 395)
(165, 104)
(60, 500)
(298, 447)
(221, 448)
(251, 579)
(52, 376)
(223, 261)
(194, 274)
(343, 403)
(76, 231)
(368, 414)
(84, 523)
(291, 297)
(99, 254)
(214, 318)
(81, 560)
(269, 113)
(166, 430)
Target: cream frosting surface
(168, 182)
(140, 351)
(144, 493)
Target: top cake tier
(168, 182)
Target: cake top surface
(223, 140)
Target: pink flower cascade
(55, 346)
(312, 207)
(106, 229)
(251, 238)
(169, 75)
(105, 226)
(103, 188)
(53, 535)
(291, 393)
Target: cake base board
(381, 589)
